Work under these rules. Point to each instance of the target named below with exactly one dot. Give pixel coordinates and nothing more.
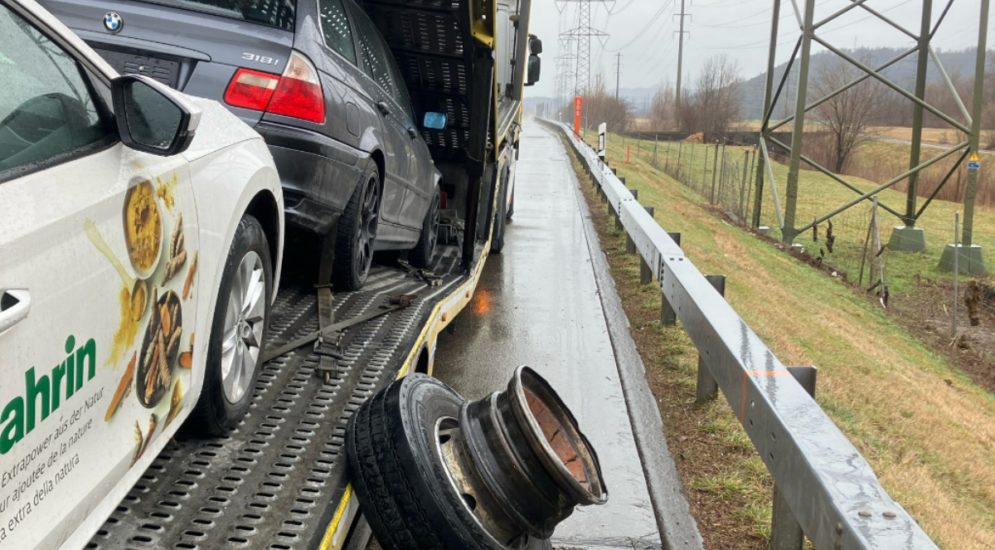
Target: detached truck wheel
(432, 471)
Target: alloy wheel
(245, 320)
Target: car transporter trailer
(279, 480)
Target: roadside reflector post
(785, 532)
(708, 388)
(667, 314)
(645, 272)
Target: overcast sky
(645, 33)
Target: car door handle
(383, 108)
(14, 308)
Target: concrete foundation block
(969, 259)
(907, 239)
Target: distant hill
(903, 73)
(957, 63)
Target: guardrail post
(630, 245)
(785, 532)
(667, 314)
(645, 272)
(708, 388)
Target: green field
(819, 195)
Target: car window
(281, 14)
(401, 95)
(374, 56)
(47, 110)
(335, 26)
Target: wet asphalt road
(537, 304)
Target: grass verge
(927, 430)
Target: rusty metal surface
(538, 304)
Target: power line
(581, 35)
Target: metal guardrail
(823, 484)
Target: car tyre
(238, 332)
(399, 477)
(357, 234)
(421, 256)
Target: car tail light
(251, 89)
(297, 93)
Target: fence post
(667, 314)
(708, 388)
(785, 532)
(742, 186)
(953, 319)
(645, 272)
(715, 166)
(704, 171)
(722, 176)
(680, 150)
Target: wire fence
(849, 245)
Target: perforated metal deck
(276, 480)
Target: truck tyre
(399, 476)
(421, 255)
(500, 215)
(238, 331)
(511, 207)
(357, 234)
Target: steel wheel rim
(245, 320)
(369, 220)
(449, 436)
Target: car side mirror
(535, 69)
(151, 117)
(535, 45)
(435, 121)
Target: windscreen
(272, 13)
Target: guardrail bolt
(708, 388)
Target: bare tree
(662, 115)
(715, 102)
(600, 106)
(847, 115)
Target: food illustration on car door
(153, 301)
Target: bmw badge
(113, 22)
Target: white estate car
(140, 238)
